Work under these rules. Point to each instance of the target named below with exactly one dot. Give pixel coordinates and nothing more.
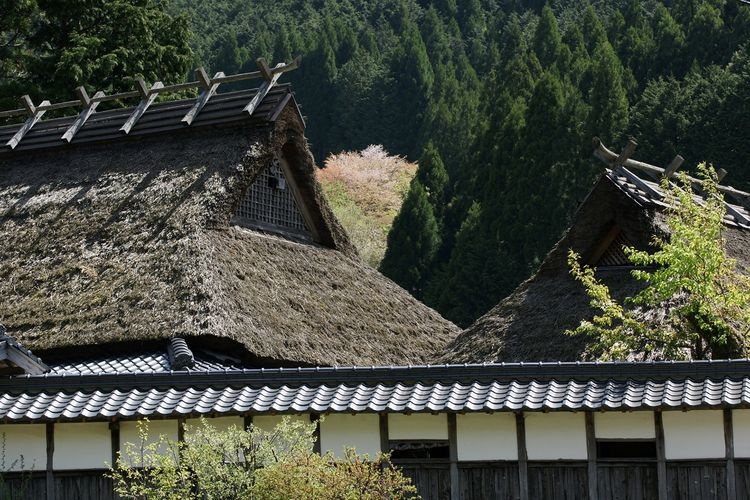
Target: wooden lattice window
(270, 204)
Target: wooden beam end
(141, 87)
(28, 104)
(83, 96)
(265, 70)
(720, 174)
(202, 77)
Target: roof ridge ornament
(180, 355)
(148, 96)
(619, 162)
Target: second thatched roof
(529, 324)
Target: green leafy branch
(696, 304)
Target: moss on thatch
(129, 241)
(529, 324)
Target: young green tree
(240, 464)
(695, 305)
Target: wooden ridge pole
(148, 96)
(608, 156)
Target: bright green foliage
(695, 305)
(250, 464)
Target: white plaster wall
(129, 433)
(693, 434)
(553, 436)
(25, 447)
(482, 436)
(625, 425)
(86, 445)
(268, 422)
(741, 427)
(361, 432)
(221, 424)
(417, 426)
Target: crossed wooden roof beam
(623, 164)
(148, 95)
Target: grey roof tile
(470, 388)
(149, 362)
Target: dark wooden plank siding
(27, 486)
(627, 482)
(742, 475)
(488, 480)
(78, 485)
(433, 481)
(695, 481)
(83, 486)
(558, 481)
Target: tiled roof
(17, 355)
(492, 387)
(154, 361)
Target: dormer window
(270, 204)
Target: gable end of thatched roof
(127, 241)
(529, 324)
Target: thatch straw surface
(529, 324)
(129, 242)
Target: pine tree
(705, 33)
(460, 292)
(412, 242)
(414, 78)
(228, 56)
(99, 43)
(669, 40)
(608, 99)
(547, 38)
(593, 30)
(432, 175)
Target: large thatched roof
(529, 324)
(113, 243)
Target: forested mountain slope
(499, 101)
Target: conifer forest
(497, 100)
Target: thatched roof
(122, 242)
(529, 324)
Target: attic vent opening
(610, 251)
(271, 205)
